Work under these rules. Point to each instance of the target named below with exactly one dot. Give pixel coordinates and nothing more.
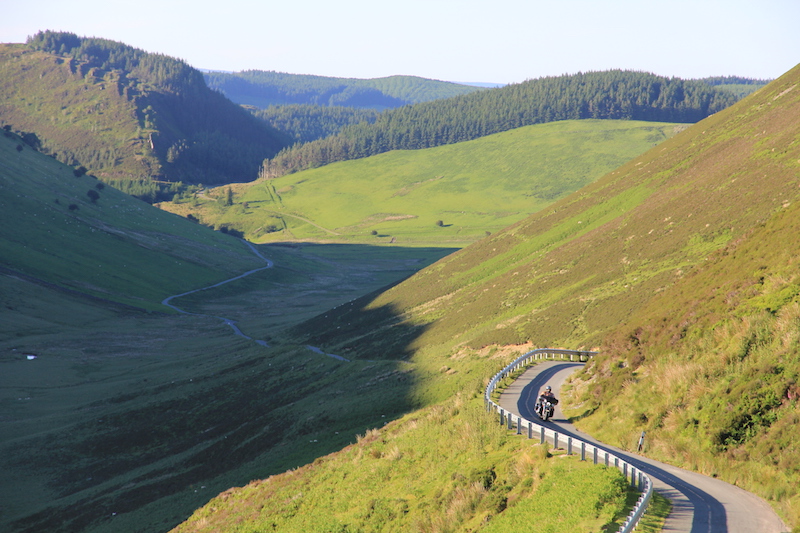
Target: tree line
(306, 122)
(614, 94)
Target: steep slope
(573, 271)
(445, 469)
(700, 230)
(695, 244)
(450, 195)
(267, 88)
(710, 368)
(130, 117)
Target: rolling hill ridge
(268, 88)
(436, 196)
(592, 257)
(131, 118)
(614, 94)
(120, 415)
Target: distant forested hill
(308, 122)
(613, 94)
(262, 89)
(138, 120)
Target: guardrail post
(583, 451)
(625, 470)
(595, 455)
(569, 445)
(519, 425)
(510, 421)
(543, 439)
(530, 429)
(606, 458)
(502, 416)
(555, 441)
(633, 476)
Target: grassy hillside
(710, 368)
(131, 118)
(682, 259)
(593, 257)
(450, 468)
(451, 195)
(267, 88)
(112, 247)
(116, 419)
(119, 419)
(109, 401)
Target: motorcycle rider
(546, 394)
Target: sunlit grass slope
(695, 243)
(447, 468)
(114, 247)
(574, 271)
(450, 195)
(568, 275)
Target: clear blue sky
(500, 41)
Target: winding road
(700, 504)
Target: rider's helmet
(548, 389)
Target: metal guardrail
(598, 455)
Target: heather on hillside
(710, 369)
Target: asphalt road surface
(700, 504)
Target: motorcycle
(546, 407)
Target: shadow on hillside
(179, 434)
(356, 329)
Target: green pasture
(446, 196)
